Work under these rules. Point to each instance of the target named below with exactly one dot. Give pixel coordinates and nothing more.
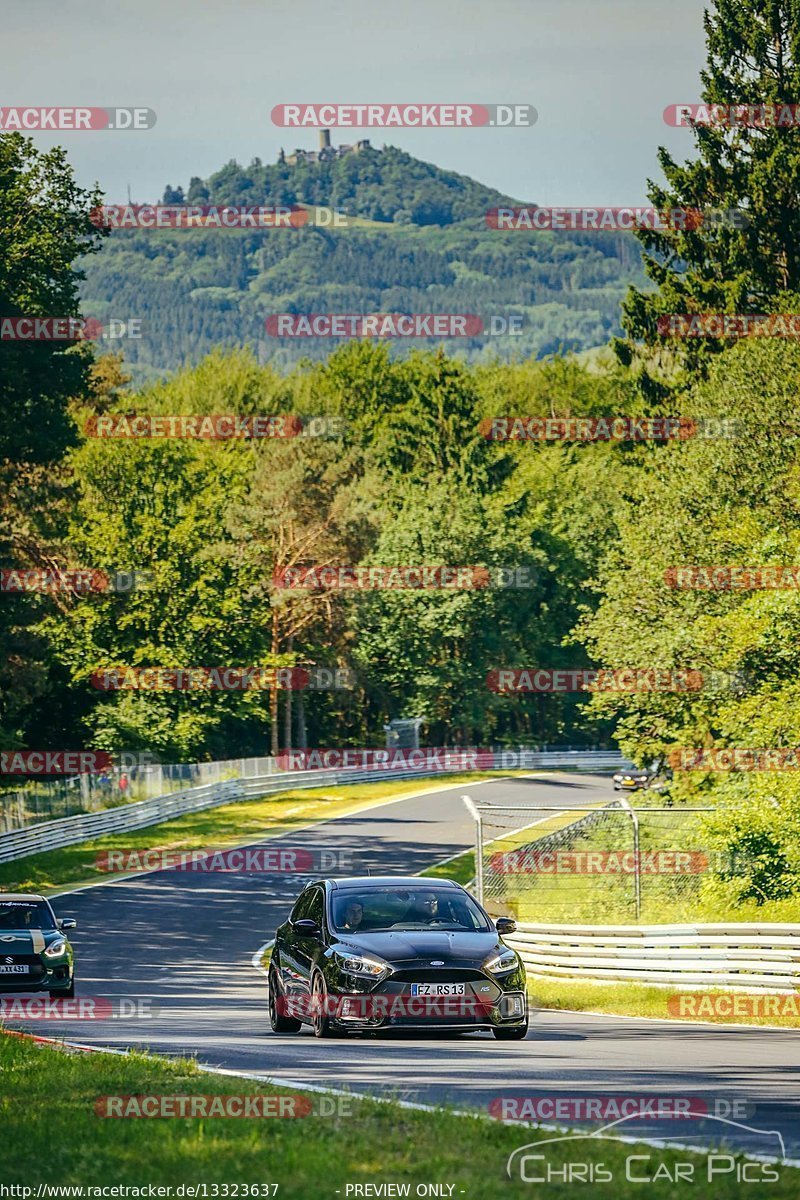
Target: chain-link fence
(128, 780)
(606, 862)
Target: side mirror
(505, 925)
(68, 923)
(307, 928)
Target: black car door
(289, 948)
(297, 950)
(307, 948)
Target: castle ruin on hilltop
(325, 153)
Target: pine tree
(754, 169)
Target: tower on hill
(326, 151)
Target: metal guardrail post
(637, 878)
(478, 819)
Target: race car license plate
(437, 989)
(16, 969)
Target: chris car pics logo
(578, 1158)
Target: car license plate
(16, 969)
(437, 989)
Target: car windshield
(25, 914)
(376, 910)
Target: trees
(299, 510)
(753, 59)
(730, 501)
(411, 481)
(44, 229)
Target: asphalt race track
(185, 941)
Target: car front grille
(437, 975)
(32, 961)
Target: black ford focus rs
(379, 953)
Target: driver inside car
(353, 916)
(425, 908)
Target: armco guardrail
(67, 831)
(747, 956)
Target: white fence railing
(133, 777)
(747, 956)
(67, 831)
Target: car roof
(382, 881)
(19, 896)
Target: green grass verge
(694, 893)
(460, 869)
(638, 1000)
(229, 825)
(51, 1134)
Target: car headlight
(56, 949)
(502, 963)
(362, 964)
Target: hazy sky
(600, 73)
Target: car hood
(24, 941)
(399, 946)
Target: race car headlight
(362, 964)
(502, 963)
(56, 949)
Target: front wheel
(512, 1033)
(278, 1022)
(320, 1021)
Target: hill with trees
(418, 242)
